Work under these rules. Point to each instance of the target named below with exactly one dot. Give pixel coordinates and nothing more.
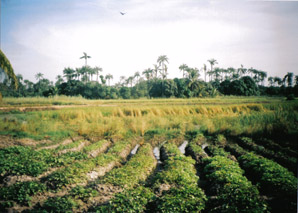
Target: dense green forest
(92, 83)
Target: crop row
(276, 147)
(76, 173)
(227, 188)
(177, 184)
(274, 180)
(279, 157)
(133, 172)
(22, 192)
(20, 160)
(174, 189)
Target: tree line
(153, 82)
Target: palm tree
(262, 76)
(242, 70)
(278, 81)
(78, 73)
(155, 69)
(39, 76)
(97, 70)
(92, 71)
(289, 79)
(148, 73)
(122, 80)
(193, 76)
(85, 56)
(6, 67)
(217, 72)
(161, 61)
(59, 80)
(19, 77)
(231, 72)
(271, 81)
(129, 80)
(137, 76)
(69, 73)
(183, 68)
(28, 84)
(109, 77)
(205, 71)
(212, 62)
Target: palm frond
(7, 68)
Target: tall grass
(65, 100)
(156, 122)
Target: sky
(46, 36)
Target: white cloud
(185, 31)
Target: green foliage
(7, 68)
(131, 200)
(135, 170)
(60, 178)
(196, 152)
(68, 158)
(69, 146)
(59, 204)
(21, 192)
(80, 192)
(220, 140)
(246, 86)
(214, 151)
(234, 192)
(184, 199)
(274, 180)
(179, 173)
(94, 146)
(283, 159)
(194, 135)
(178, 170)
(168, 150)
(119, 147)
(19, 160)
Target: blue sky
(48, 35)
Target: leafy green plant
(274, 180)
(131, 200)
(19, 160)
(194, 135)
(94, 146)
(135, 170)
(181, 199)
(59, 204)
(21, 192)
(80, 192)
(234, 192)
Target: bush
(21, 192)
(184, 199)
(132, 200)
(59, 204)
(19, 160)
(234, 192)
(79, 192)
(274, 180)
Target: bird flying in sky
(122, 13)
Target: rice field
(74, 155)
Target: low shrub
(21, 192)
(131, 200)
(60, 204)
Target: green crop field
(65, 154)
